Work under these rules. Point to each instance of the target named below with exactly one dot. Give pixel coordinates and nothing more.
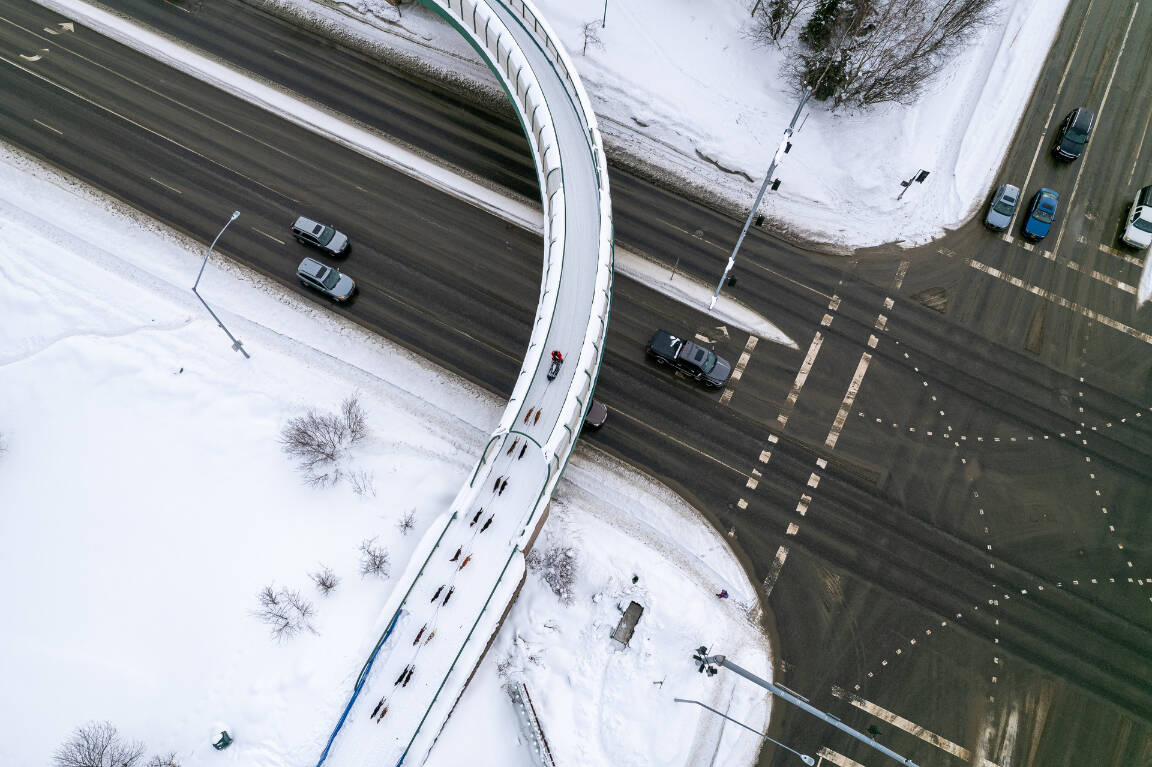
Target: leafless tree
(592, 36)
(880, 51)
(557, 566)
(325, 580)
(286, 612)
(772, 20)
(374, 559)
(163, 760)
(98, 744)
(363, 482)
(354, 419)
(407, 522)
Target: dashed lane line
(274, 239)
(166, 186)
(46, 125)
(802, 376)
(1052, 297)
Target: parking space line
(1059, 90)
(1099, 116)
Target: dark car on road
(329, 281)
(321, 236)
(1003, 208)
(596, 416)
(1041, 213)
(1074, 134)
(690, 359)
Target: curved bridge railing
(432, 646)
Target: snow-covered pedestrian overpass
(466, 572)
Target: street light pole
(236, 345)
(803, 757)
(604, 18)
(776, 159)
(720, 660)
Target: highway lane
(677, 431)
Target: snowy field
(146, 501)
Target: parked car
(1041, 213)
(1138, 225)
(320, 236)
(690, 359)
(1002, 208)
(596, 416)
(1074, 134)
(329, 281)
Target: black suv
(688, 358)
(1074, 134)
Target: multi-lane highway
(943, 491)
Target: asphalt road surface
(944, 490)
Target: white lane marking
(1120, 254)
(901, 271)
(849, 398)
(738, 371)
(793, 528)
(774, 571)
(828, 755)
(142, 127)
(801, 377)
(896, 720)
(261, 231)
(1140, 144)
(802, 505)
(166, 186)
(813, 480)
(1093, 273)
(46, 125)
(1061, 301)
(1059, 90)
(1099, 115)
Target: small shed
(627, 624)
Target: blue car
(1040, 214)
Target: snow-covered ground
(145, 501)
(683, 87)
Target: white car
(1138, 225)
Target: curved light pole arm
(803, 757)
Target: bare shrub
(286, 612)
(320, 441)
(98, 744)
(592, 37)
(557, 566)
(164, 760)
(374, 559)
(325, 580)
(407, 522)
(363, 482)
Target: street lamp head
(235, 215)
